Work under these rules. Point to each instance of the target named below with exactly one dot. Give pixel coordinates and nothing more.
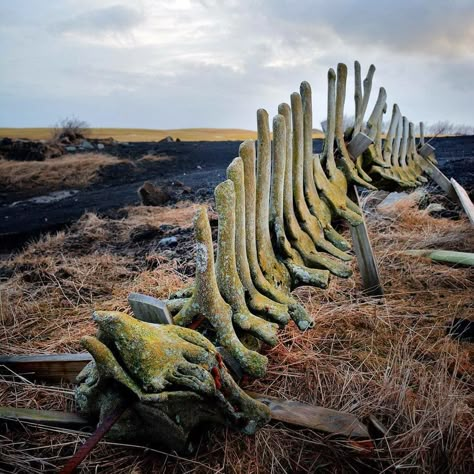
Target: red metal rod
(92, 441)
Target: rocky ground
(189, 170)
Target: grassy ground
(68, 171)
(389, 359)
(143, 134)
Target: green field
(143, 134)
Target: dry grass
(76, 170)
(143, 134)
(392, 360)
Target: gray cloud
(212, 63)
(118, 19)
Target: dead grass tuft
(391, 359)
(76, 170)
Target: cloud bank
(190, 63)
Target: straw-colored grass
(391, 359)
(144, 134)
(76, 170)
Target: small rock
(392, 198)
(199, 167)
(100, 146)
(152, 195)
(167, 139)
(70, 149)
(86, 145)
(168, 242)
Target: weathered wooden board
(310, 416)
(464, 199)
(149, 309)
(295, 413)
(359, 144)
(365, 255)
(60, 419)
(48, 367)
(440, 179)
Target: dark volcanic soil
(199, 165)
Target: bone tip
(305, 88)
(284, 108)
(341, 69)
(331, 74)
(224, 189)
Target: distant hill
(144, 134)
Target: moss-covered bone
(296, 311)
(303, 172)
(208, 303)
(333, 186)
(343, 158)
(256, 301)
(301, 274)
(228, 280)
(171, 378)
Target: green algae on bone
(300, 273)
(170, 376)
(256, 301)
(344, 159)
(208, 303)
(247, 153)
(228, 280)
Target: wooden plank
(292, 412)
(59, 419)
(314, 417)
(464, 199)
(149, 309)
(359, 144)
(365, 255)
(426, 150)
(48, 367)
(440, 179)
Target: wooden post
(365, 255)
(464, 199)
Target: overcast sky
(191, 63)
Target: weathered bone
(318, 207)
(390, 152)
(256, 301)
(228, 280)
(300, 273)
(170, 376)
(300, 236)
(414, 159)
(273, 270)
(344, 159)
(296, 311)
(208, 303)
(333, 188)
(301, 163)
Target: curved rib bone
(256, 301)
(300, 273)
(318, 207)
(207, 302)
(300, 236)
(297, 312)
(228, 280)
(333, 188)
(302, 164)
(344, 159)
